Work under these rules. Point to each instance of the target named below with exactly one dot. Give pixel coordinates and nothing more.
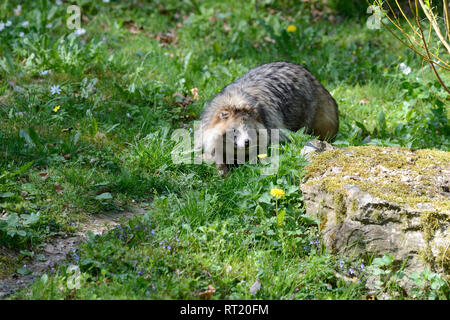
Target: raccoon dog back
(284, 95)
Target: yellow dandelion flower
(262, 156)
(277, 193)
(291, 28)
(55, 109)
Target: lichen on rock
(418, 179)
(378, 200)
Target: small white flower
(25, 24)
(79, 32)
(58, 2)
(18, 10)
(44, 73)
(105, 1)
(8, 23)
(405, 69)
(2, 25)
(55, 89)
(49, 25)
(21, 34)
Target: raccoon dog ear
(224, 115)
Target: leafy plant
(429, 285)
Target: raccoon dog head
(239, 126)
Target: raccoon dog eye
(223, 115)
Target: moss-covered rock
(378, 200)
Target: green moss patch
(409, 178)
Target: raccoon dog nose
(247, 142)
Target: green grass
(121, 98)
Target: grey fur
(285, 94)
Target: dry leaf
(178, 94)
(165, 38)
(208, 293)
(364, 101)
(58, 188)
(133, 30)
(44, 175)
(105, 27)
(132, 27)
(182, 100)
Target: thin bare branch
(431, 62)
(415, 43)
(429, 13)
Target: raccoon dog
(277, 95)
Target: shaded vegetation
(86, 121)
